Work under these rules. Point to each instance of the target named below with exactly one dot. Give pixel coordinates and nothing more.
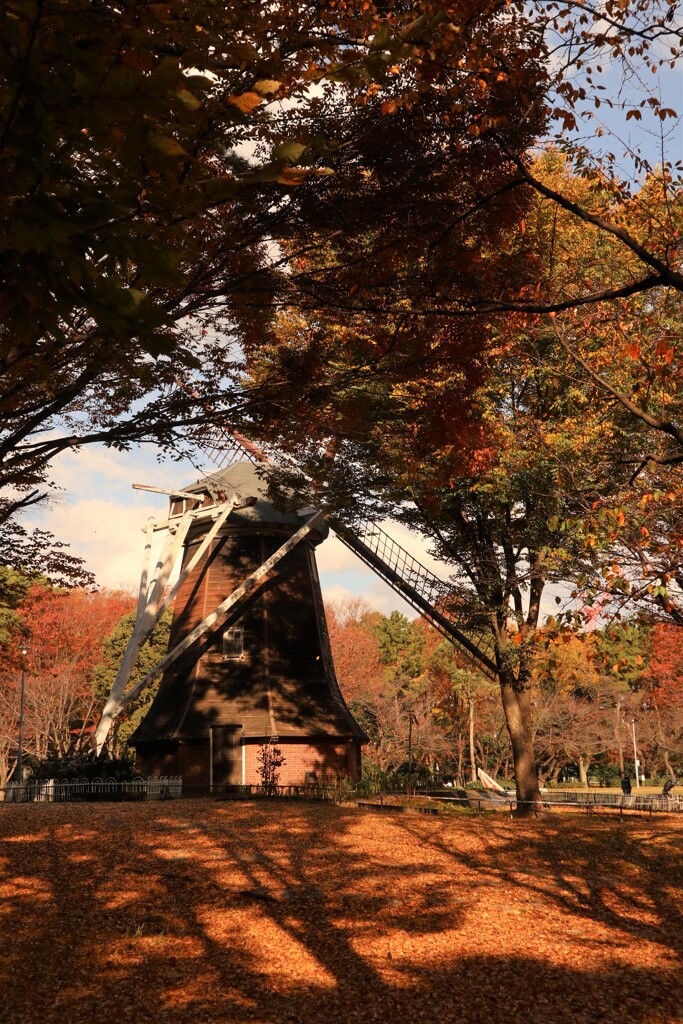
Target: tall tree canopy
(504, 459)
(167, 167)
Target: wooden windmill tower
(259, 671)
(249, 660)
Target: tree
(64, 630)
(357, 660)
(36, 555)
(665, 694)
(104, 673)
(492, 484)
(164, 176)
(458, 692)
(410, 692)
(579, 706)
(269, 760)
(624, 358)
(138, 234)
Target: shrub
(79, 766)
(269, 760)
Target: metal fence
(307, 791)
(635, 802)
(650, 803)
(89, 790)
(171, 787)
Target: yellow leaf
(265, 86)
(167, 145)
(389, 107)
(297, 175)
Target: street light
(411, 719)
(23, 650)
(635, 753)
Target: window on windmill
(182, 505)
(233, 644)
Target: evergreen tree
(113, 650)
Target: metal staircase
(420, 587)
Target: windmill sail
(489, 783)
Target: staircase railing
(420, 587)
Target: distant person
(668, 786)
(626, 786)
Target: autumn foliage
(64, 631)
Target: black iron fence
(427, 802)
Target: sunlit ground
(199, 911)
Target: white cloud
(100, 516)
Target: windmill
(249, 660)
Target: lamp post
(412, 719)
(635, 753)
(23, 650)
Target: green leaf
(167, 145)
(137, 296)
(289, 151)
(188, 99)
(381, 39)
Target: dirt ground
(195, 911)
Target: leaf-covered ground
(197, 911)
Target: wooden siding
(283, 685)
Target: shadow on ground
(195, 912)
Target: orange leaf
(245, 101)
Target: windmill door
(226, 755)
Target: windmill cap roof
(249, 480)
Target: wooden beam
(221, 611)
(141, 630)
(164, 490)
(196, 558)
(144, 576)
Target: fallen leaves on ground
(196, 911)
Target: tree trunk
(517, 708)
(583, 770)
(549, 772)
(473, 767)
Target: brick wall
(304, 762)
(307, 762)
